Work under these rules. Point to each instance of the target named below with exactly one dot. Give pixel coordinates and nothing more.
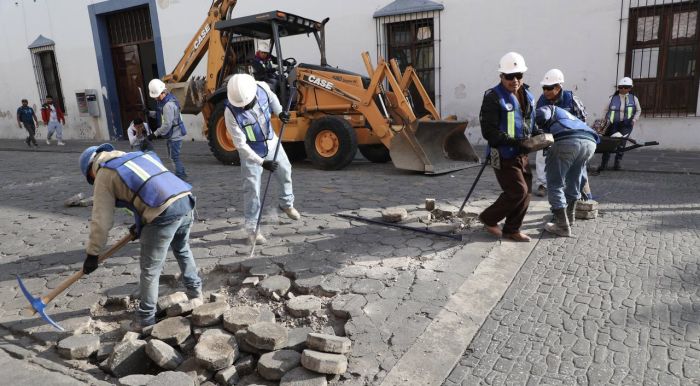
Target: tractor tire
(377, 153)
(220, 142)
(331, 143)
(295, 151)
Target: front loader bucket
(434, 147)
(190, 94)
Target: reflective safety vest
(615, 107)
(250, 124)
(178, 119)
(145, 175)
(565, 101)
(512, 121)
(563, 123)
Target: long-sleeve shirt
(490, 119)
(170, 117)
(135, 139)
(238, 136)
(621, 110)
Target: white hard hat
(512, 62)
(155, 88)
(552, 77)
(241, 89)
(625, 82)
(263, 45)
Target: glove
(151, 137)
(284, 116)
(90, 264)
(270, 165)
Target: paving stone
(166, 301)
(251, 280)
(586, 214)
(135, 380)
(192, 367)
(172, 331)
(304, 305)
(246, 364)
(215, 331)
(163, 354)
(587, 205)
(275, 284)
(182, 308)
(228, 376)
(302, 377)
(266, 336)
(394, 214)
(240, 317)
(256, 380)
(429, 204)
(104, 351)
(382, 273)
(216, 352)
(324, 363)
(367, 286)
(263, 271)
(353, 272)
(273, 365)
(209, 314)
(347, 305)
(217, 297)
(129, 358)
(328, 343)
(78, 346)
(171, 378)
(296, 338)
(130, 335)
(243, 344)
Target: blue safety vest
(178, 118)
(512, 121)
(563, 123)
(145, 175)
(565, 101)
(250, 124)
(627, 112)
(26, 114)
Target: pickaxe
(38, 305)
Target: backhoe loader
(334, 112)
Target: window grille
(46, 73)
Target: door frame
(98, 21)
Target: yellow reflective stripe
(137, 170)
(629, 112)
(511, 124)
(154, 162)
(612, 116)
(250, 133)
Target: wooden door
(127, 70)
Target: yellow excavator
(334, 112)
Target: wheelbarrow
(611, 144)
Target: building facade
(92, 55)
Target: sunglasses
(623, 87)
(518, 75)
(549, 88)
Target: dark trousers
(624, 128)
(515, 178)
(31, 130)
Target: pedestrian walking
(553, 94)
(249, 108)
(27, 117)
(54, 119)
(508, 118)
(162, 205)
(138, 133)
(170, 123)
(623, 112)
(574, 144)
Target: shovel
(38, 305)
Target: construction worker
(508, 118)
(574, 144)
(168, 116)
(263, 63)
(623, 111)
(162, 205)
(138, 133)
(53, 118)
(27, 117)
(554, 94)
(248, 111)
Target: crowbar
(406, 227)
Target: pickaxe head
(37, 304)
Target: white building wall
(580, 38)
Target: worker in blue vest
(554, 94)
(507, 119)
(249, 108)
(162, 205)
(623, 112)
(574, 144)
(170, 124)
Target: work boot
(259, 239)
(560, 226)
(571, 213)
(291, 213)
(541, 191)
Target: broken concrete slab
(228, 376)
(209, 314)
(394, 214)
(135, 380)
(171, 378)
(273, 365)
(275, 284)
(296, 338)
(304, 305)
(129, 358)
(78, 346)
(324, 363)
(240, 317)
(302, 377)
(166, 301)
(216, 352)
(163, 354)
(348, 305)
(328, 343)
(172, 331)
(266, 336)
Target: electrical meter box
(88, 105)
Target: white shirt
(135, 140)
(239, 138)
(52, 116)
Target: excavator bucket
(191, 94)
(433, 147)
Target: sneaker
(61, 143)
(291, 213)
(541, 191)
(259, 239)
(48, 141)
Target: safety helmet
(264, 46)
(626, 81)
(241, 89)
(89, 155)
(155, 88)
(552, 77)
(512, 62)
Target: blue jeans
(174, 154)
(155, 239)
(252, 176)
(55, 127)
(566, 161)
